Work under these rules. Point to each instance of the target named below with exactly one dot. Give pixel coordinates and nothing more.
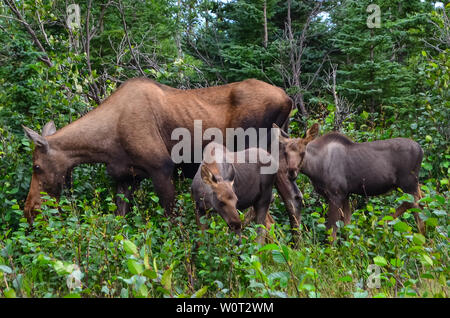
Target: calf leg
(409, 205)
(199, 212)
(251, 215)
(261, 211)
(335, 214)
(347, 211)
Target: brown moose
(338, 167)
(225, 184)
(131, 130)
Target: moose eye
(36, 167)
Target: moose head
(223, 199)
(294, 149)
(49, 170)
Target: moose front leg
(291, 196)
(261, 212)
(165, 189)
(336, 207)
(125, 190)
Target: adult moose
(338, 167)
(131, 133)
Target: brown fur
(338, 167)
(226, 186)
(131, 133)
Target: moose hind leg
(409, 205)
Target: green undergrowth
(79, 248)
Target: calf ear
(311, 133)
(49, 129)
(207, 176)
(230, 173)
(38, 140)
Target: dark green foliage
(396, 78)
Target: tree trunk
(266, 36)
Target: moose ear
(231, 173)
(207, 176)
(38, 140)
(49, 129)
(283, 135)
(311, 133)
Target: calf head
(224, 199)
(49, 172)
(294, 149)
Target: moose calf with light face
(338, 167)
(226, 183)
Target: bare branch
(87, 47)
(12, 6)
(125, 29)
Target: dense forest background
(342, 69)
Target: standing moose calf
(338, 167)
(225, 184)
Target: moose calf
(225, 184)
(338, 167)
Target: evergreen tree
(372, 59)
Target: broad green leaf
(433, 222)
(135, 267)
(419, 239)
(166, 279)
(269, 247)
(285, 250)
(199, 293)
(150, 273)
(427, 259)
(380, 261)
(5, 269)
(278, 257)
(346, 278)
(10, 293)
(396, 262)
(60, 268)
(143, 291)
(129, 247)
(402, 227)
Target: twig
(125, 29)
(11, 4)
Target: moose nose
(292, 174)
